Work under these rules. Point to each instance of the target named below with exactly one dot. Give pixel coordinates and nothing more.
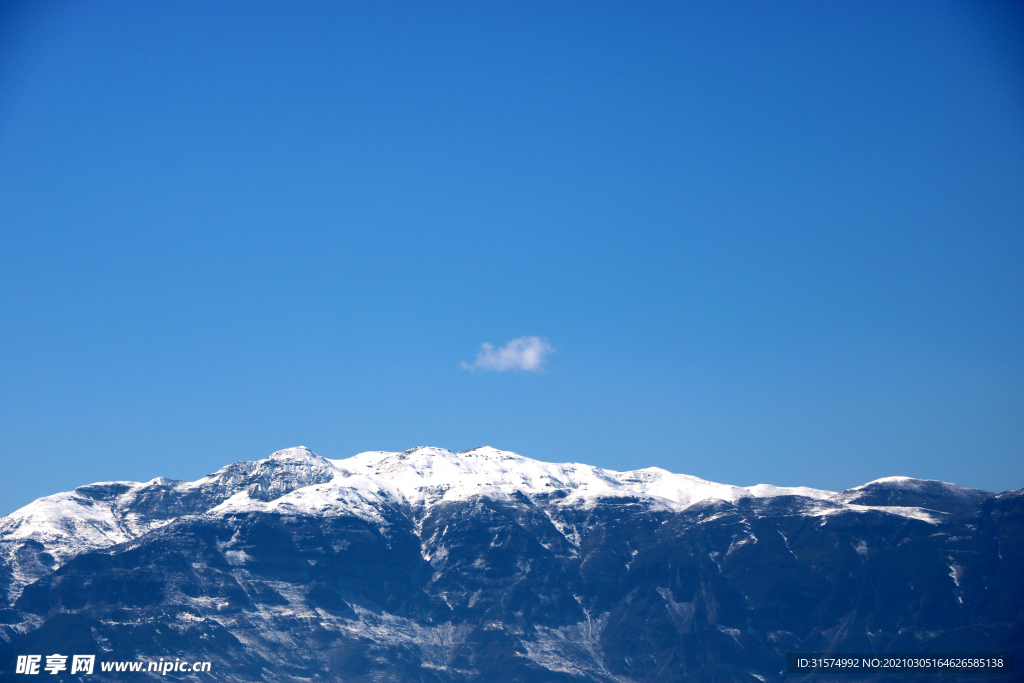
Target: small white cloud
(524, 353)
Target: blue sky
(767, 242)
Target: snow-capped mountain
(296, 480)
(445, 566)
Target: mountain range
(485, 565)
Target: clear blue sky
(769, 242)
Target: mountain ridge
(428, 565)
(72, 522)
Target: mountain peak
(297, 453)
(484, 450)
(930, 494)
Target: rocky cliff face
(486, 566)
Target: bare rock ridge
(429, 565)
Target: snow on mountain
(909, 492)
(46, 533)
(347, 493)
(425, 474)
(106, 513)
(365, 483)
(76, 518)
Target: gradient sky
(768, 242)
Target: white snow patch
(573, 649)
(930, 516)
(956, 572)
